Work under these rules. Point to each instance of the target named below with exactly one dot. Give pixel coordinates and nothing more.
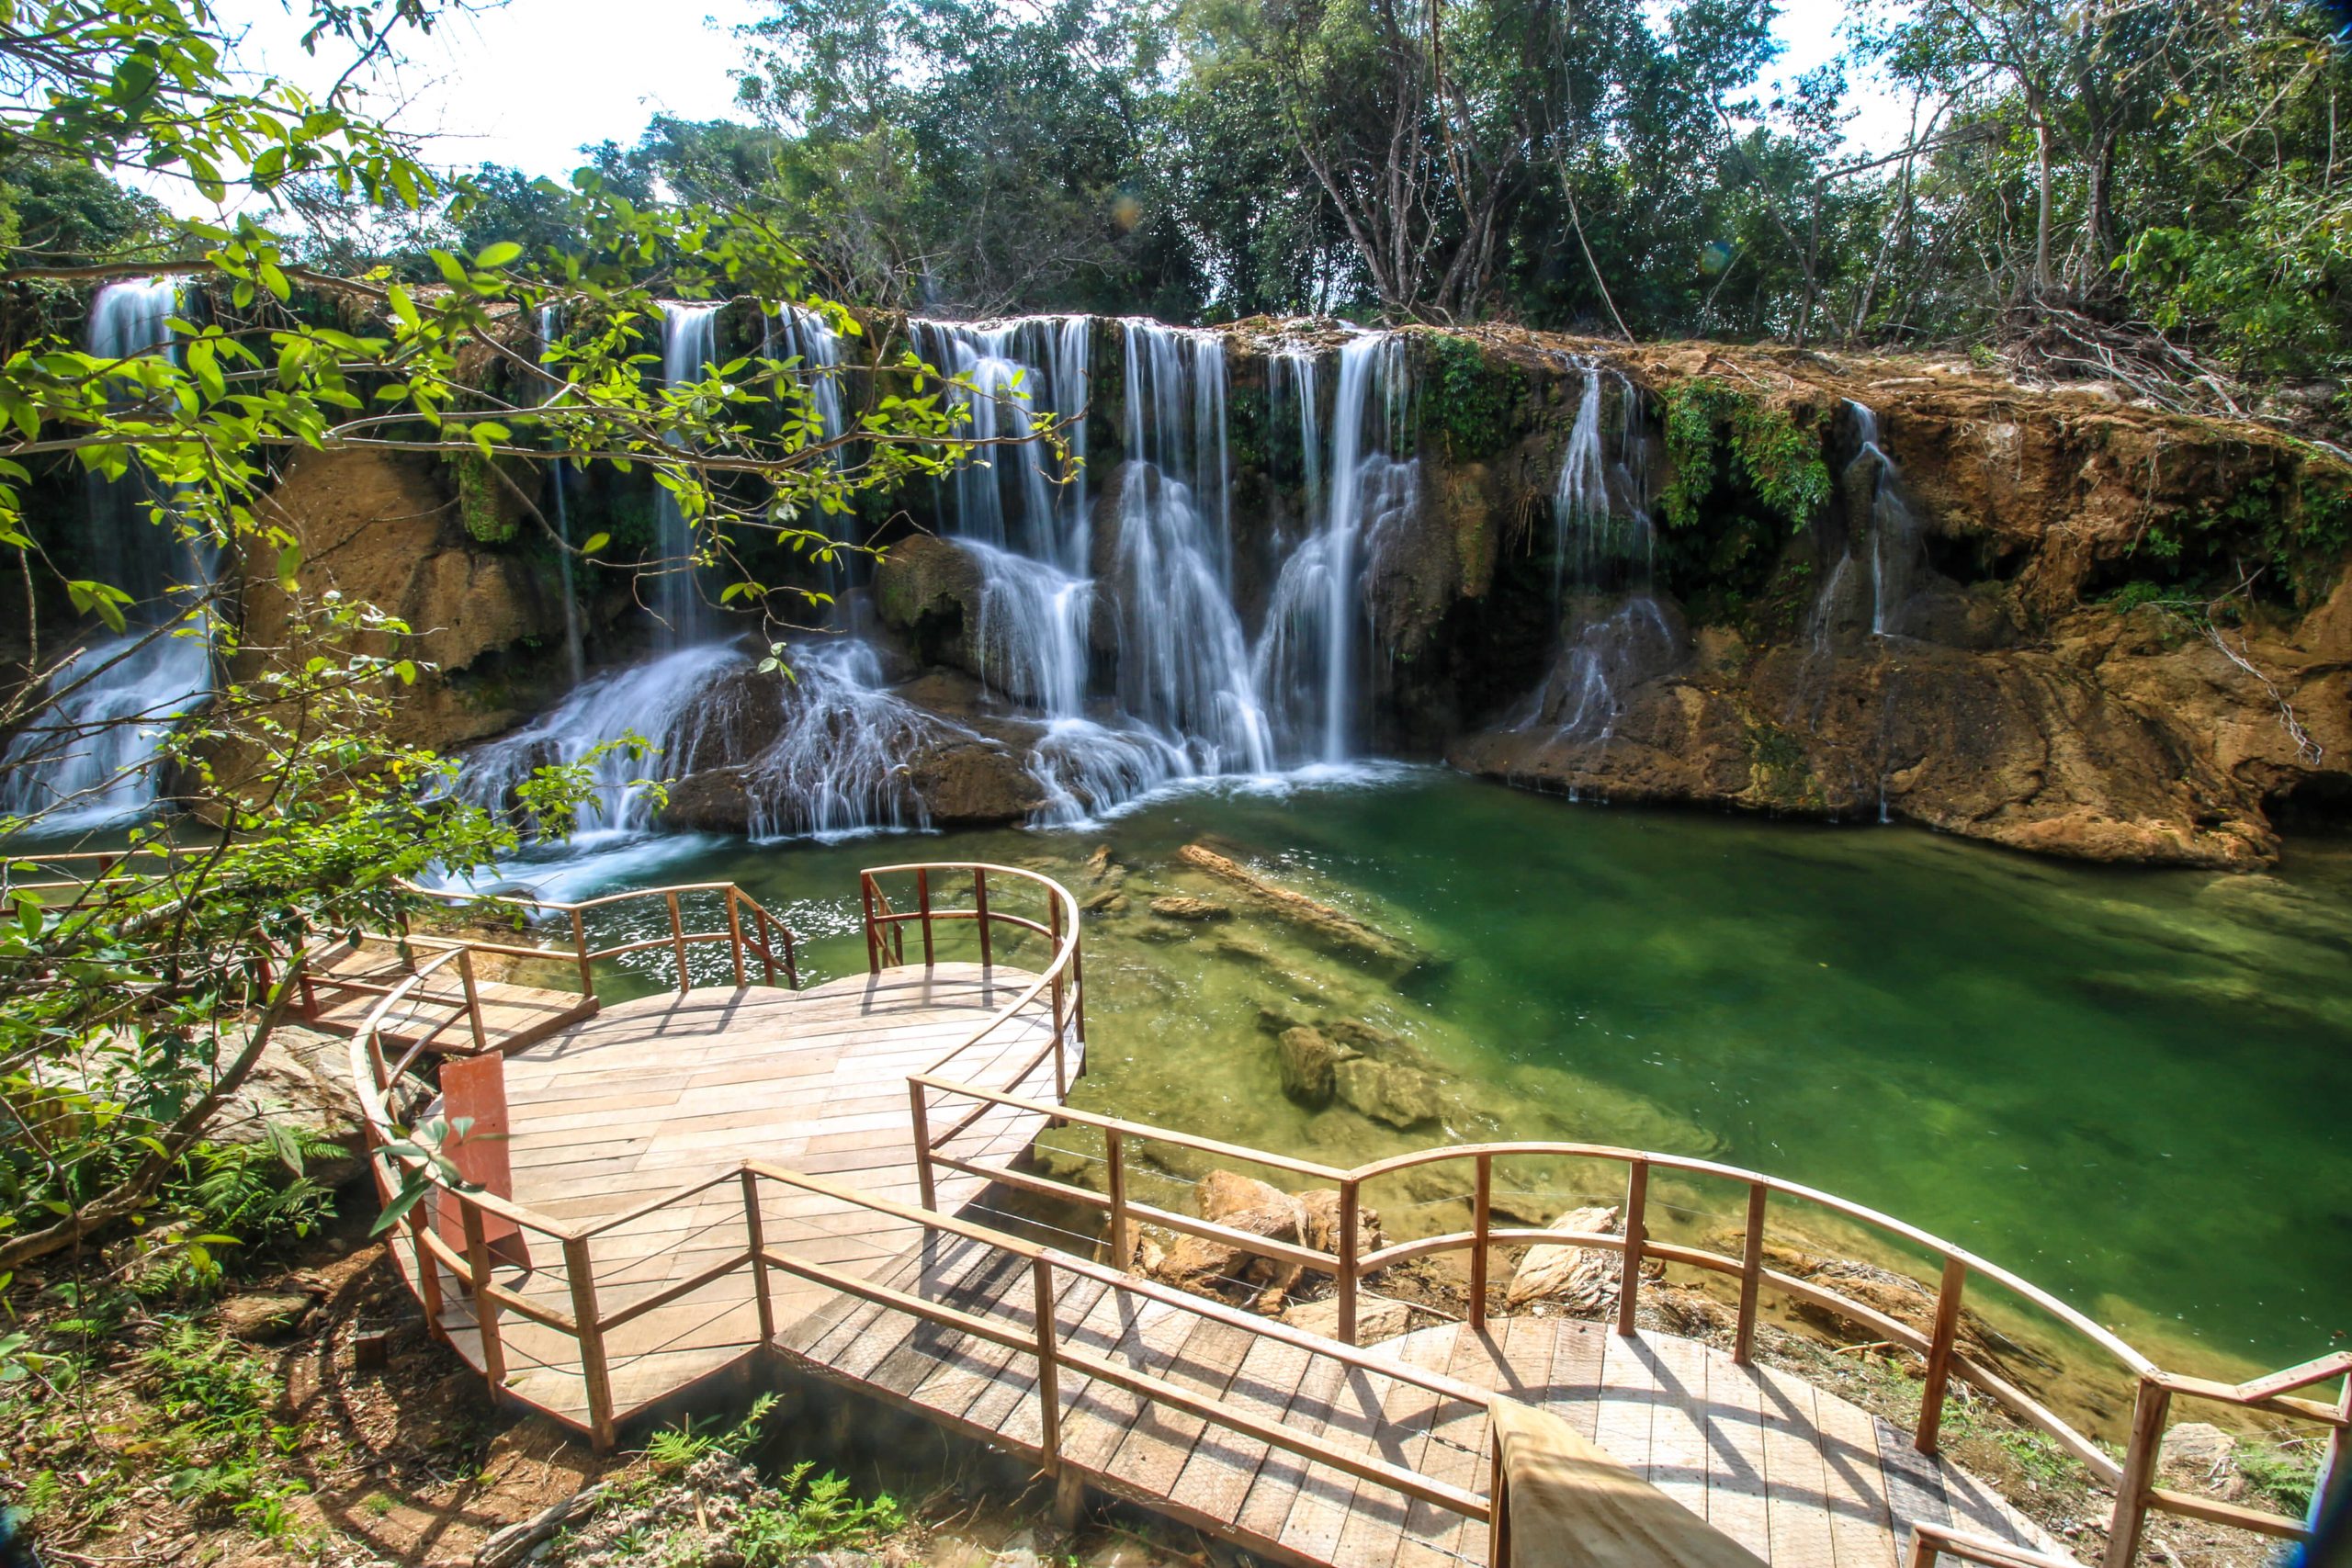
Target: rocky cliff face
(384, 530)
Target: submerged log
(1318, 921)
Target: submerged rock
(1308, 1059)
(1403, 1097)
(1183, 906)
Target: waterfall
(808, 336)
(659, 701)
(94, 761)
(1602, 538)
(1306, 661)
(1184, 702)
(689, 348)
(838, 767)
(822, 754)
(1026, 375)
(1297, 367)
(558, 483)
(1894, 532)
(1184, 665)
(1032, 632)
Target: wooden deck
(650, 1096)
(1798, 1476)
(347, 983)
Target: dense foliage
(1606, 165)
(134, 1003)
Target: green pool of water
(2130, 1087)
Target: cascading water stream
(1184, 666)
(1306, 658)
(838, 768)
(660, 701)
(809, 337)
(1895, 533)
(94, 760)
(1027, 376)
(689, 348)
(1603, 541)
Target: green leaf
(505, 252)
(289, 562)
(595, 542)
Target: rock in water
(1404, 1097)
(1581, 1279)
(1308, 1057)
(1181, 907)
(1333, 928)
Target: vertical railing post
(493, 1349)
(2149, 1410)
(1061, 1066)
(1049, 1390)
(981, 903)
(579, 946)
(923, 913)
(791, 961)
(428, 1271)
(1941, 1339)
(1482, 1208)
(1349, 1197)
(1114, 1166)
(1751, 1273)
(678, 943)
(919, 1115)
(735, 933)
(873, 936)
(473, 998)
(1077, 990)
(767, 941)
(2334, 1473)
(1628, 1283)
(594, 1371)
(755, 1235)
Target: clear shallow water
(2127, 1086)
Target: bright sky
(528, 83)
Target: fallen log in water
(1318, 921)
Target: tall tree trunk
(2042, 194)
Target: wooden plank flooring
(1795, 1475)
(652, 1096)
(512, 1015)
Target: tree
(130, 1005)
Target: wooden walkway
(610, 1115)
(347, 983)
(1797, 1476)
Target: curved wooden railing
(400, 1164)
(2132, 1476)
(760, 939)
(1061, 985)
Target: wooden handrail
(1938, 1345)
(1930, 1541)
(885, 929)
(1044, 1342)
